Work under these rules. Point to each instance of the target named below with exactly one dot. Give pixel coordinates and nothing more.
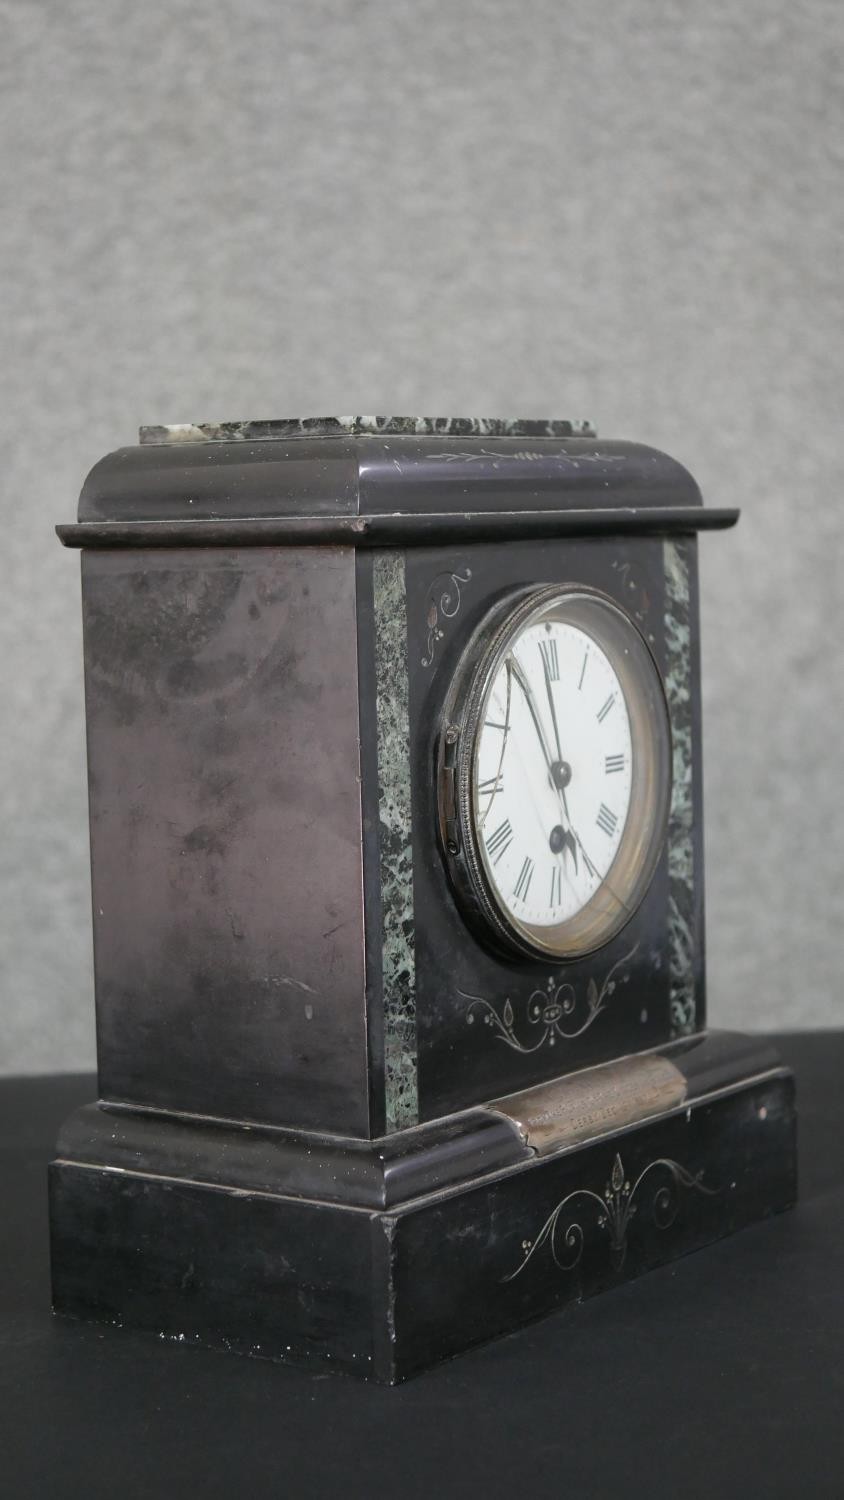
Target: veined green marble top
(287, 427)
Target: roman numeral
(491, 724)
(607, 821)
(602, 712)
(583, 670)
(613, 763)
(522, 885)
(556, 885)
(491, 787)
(499, 842)
(550, 660)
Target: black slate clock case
(456, 1065)
(335, 1125)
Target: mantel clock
(396, 839)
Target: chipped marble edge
(681, 898)
(395, 842)
(235, 432)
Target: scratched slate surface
(228, 912)
(718, 1375)
(633, 216)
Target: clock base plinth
(384, 1290)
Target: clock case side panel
(484, 1020)
(221, 689)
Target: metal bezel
(604, 916)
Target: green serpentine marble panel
(681, 939)
(286, 427)
(395, 845)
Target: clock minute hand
(560, 771)
(593, 870)
(520, 675)
(567, 841)
(553, 708)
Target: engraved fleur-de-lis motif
(613, 1210)
(553, 1009)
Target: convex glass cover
(554, 772)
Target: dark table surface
(720, 1375)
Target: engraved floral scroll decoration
(527, 455)
(444, 600)
(554, 1010)
(478, 455)
(635, 593)
(564, 1234)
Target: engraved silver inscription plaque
(590, 1103)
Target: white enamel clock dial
(553, 773)
(561, 779)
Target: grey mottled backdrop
(631, 211)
